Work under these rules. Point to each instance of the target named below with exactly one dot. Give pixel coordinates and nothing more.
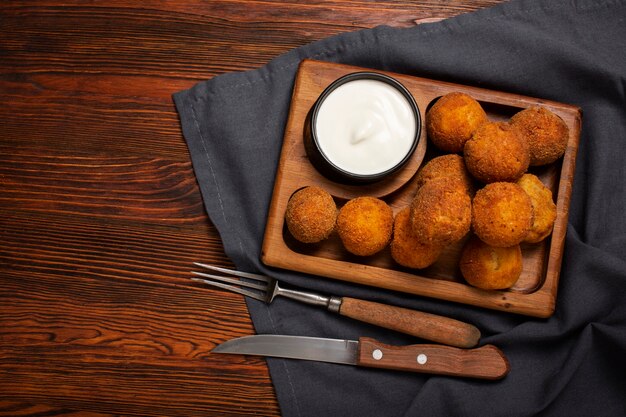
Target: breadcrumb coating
(451, 121)
(311, 214)
(364, 225)
(546, 134)
(441, 212)
(489, 267)
(406, 249)
(496, 152)
(502, 214)
(446, 166)
(544, 209)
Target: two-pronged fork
(423, 325)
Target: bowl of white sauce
(362, 128)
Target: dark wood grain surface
(100, 212)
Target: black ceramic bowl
(323, 163)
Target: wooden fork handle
(423, 325)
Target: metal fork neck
(331, 303)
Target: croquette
(364, 225)
(451, 121)
(440, 212)
(488, 267)
(406, 249)
(545, 132)
(311, 214)
(496, 152)
(502, 214)
(449, 166)
(544, 209)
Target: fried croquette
(488, 267)
(496, 152)
(364, 225)
(451, 121)
(545, 132)
(406, 249)
(449, 166)
(502, 214)
(440, 212)
(311, 214)
(544, 209)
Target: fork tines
(223, 282)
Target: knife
(486, 362)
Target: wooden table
(100, 212)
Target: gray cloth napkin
(570, 364)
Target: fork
(416, 323)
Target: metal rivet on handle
(421, 359)
(377, 354)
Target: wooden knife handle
(487, 362)
(423, 325)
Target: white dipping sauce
(365, 127)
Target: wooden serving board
(535, 292)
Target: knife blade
(486, 362)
